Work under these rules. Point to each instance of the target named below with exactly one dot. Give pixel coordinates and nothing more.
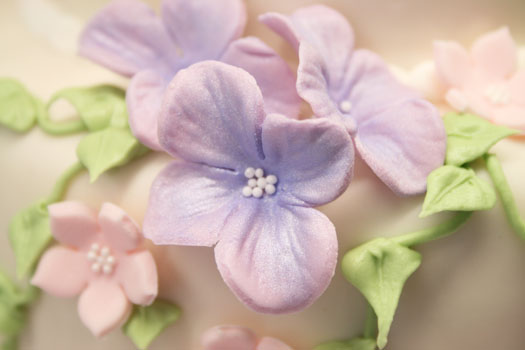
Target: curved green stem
(63, 182)
(429, 234)
(57, 128)
(370, 330)
(505, 193)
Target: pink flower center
(101, 259)
(498, 94)
(257, 184)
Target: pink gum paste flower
(246, 182)
(238, 338)
(398, 134)
(102, 259)
(485, 81)
(129, 38)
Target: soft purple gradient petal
(277, 259)
(403, 144)
(127, 37)
(453, 63)
(212, 113)
(202, 29)
(189, 204)
(274, 77)
(313, 159)
(282, 25)
(495, 54)
(144, 100)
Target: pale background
(469, 292)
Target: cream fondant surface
(468, 293)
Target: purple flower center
(257, 184)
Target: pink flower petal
(144, 99)
(228, 338)
(137, 274)
(457, 99)
(73, 223)
(62, 272)
(212, 114)
(517, 88)
(512, 116)
(119, 229)
(277, 259)
(268, 343)
(267, 67)
(453, 63)
(313, 159)
(103, 306)
(189, 204)
(203, 29)
(126, 37)
(495, 54)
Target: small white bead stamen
(498, 94)
(258, 184)
(345, 106)
(101, 259)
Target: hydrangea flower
(129, 38)
(238, 338)
(102, 259)
(246, 182)
(485, 81)
(398, 134)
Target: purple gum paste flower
(129, 38)
(246, 182)
(399, 135)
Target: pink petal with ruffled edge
(228, 338)
(277, 259)
(137, 274)
(103, 306)
(495, 54)
(267, 67)
(268, 343)
(453, 63)
(126, 37)
(73, 223)
(121, 232)
(144, 99)
(62, 272)
(203, 29)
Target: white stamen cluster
(258, 184)
(102, 260)
(345, 106)
(498, 94)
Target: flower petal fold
(189, 204)
(228, 338)
(313, 159)
(277, 259)
(453, 63)
(496, 54)
(144, 99)
(403, 144)
(73, 223)
(103, 306)
(268, 343)
(212, 114)
(126, 37)
(119, 229)
(202, 29)
(137, 274)
(62, 272)
(267, 67)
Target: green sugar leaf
(18, 108)
(379, 269)
(353, 344)
(147, 322)
(107, 149)
(470, 137)
(29, 234)
(456, 189)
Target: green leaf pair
(353, 344)
(18, 108)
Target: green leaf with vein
(18, 108)
(470, 137)
(456, 189)
(353, 344)
(29, 234)
(98, 106)
(107, 149)
(147, 322)
(379, 269)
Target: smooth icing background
(468, 293)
